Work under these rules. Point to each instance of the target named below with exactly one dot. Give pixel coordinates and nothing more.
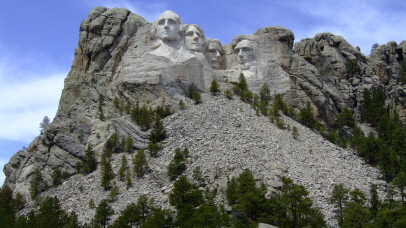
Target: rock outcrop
(121, 57)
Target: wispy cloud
(148, 10)
(361, 23)
(2, 176)
(30, 88)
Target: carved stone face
(213, 55)
(168, 26)
(194, 39)
(245, 53)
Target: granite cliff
(120, 56)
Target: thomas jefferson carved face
(168, 26)
(245, 53)
(194, 38)
(213, 54)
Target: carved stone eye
(171, 22)
(161, 22)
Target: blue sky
(38, 39)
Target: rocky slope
(117, 57)
(225, 137)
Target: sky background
(38, 39)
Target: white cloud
(361, 23)
(149, 11)
(30, 88)
(2, 176)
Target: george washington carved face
(168, 27)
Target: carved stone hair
(210, 40)
(185, 27)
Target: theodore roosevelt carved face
(245, 54)
(194, 38)
(214, 52)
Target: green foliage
(400, 183)
(116, 102)
(89, 161)
(123, 168)
(402, 72)
(8, 207)
(306, 116)
(158, 132)
(143, 214)
(92, 204)
(295, 132)
(114, 193)
(193, 94)
(113, 144)
(280, 123)
(214, 88)
(182, 105)
(184, 194)
(142, 116)
(101, 102)
(56, 177)
(247, 200)
(339, 198)
(345, 118)
(374, 46)
(140, 164)
(103, 213)
(373, 105)
(129, 145)
(178, 164)
(154, 149)
(241, 89)
(293, 208)
(198, 176)
(355, 212)
(352, 67)
(48, 215)
(37, 184)
(107, 173)
(128, 181)
(374, 201)
(162, 112)
(228, 94)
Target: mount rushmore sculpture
(119, 49)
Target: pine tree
(107, 173)
(214, 88)
(182, 105)
(295, 132)
(306, 116)
(140, 164)
(129, 145)
(123, 167)
(158, 132)
(114, 193)
(103, 213)
(37, 184)
(128, 181)
(89, 161)
(57, 177)
(178, 164)
(183, 194)
(228, 94)
(339, 198)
